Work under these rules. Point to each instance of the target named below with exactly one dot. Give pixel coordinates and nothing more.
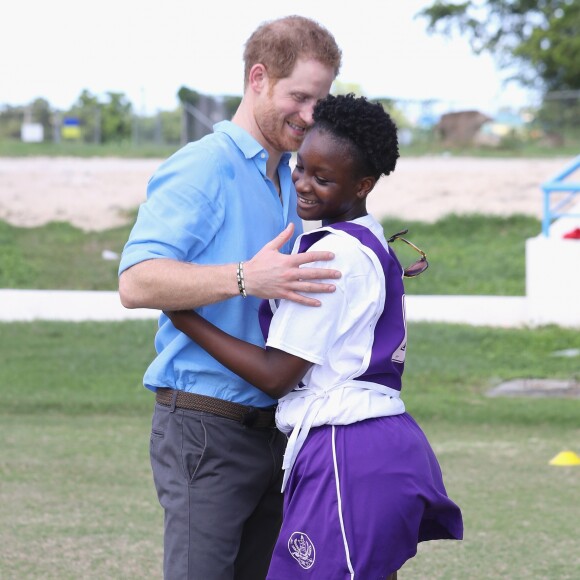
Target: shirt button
(262, 155)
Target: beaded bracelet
(240, 277)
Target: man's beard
(276, 132)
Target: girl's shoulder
(364, 232)
(352, 256)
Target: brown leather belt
(246, 415)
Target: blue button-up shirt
(211, 203)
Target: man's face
(283, 111)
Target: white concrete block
(500, 311)
(553, 280)
(69, 305)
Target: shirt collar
(246, 143)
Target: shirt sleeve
(183, 211)
(310, 332)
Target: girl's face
(325, 184)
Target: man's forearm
(166, 284)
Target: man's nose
(307, 113)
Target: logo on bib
(302, 550)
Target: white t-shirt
(337, 337)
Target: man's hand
(270, 274)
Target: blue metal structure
(558, 185)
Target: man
(202, 240)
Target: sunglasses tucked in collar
(417, 267)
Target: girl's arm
(271, 370)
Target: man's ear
(366, 185)
(258, 77)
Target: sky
(148, 49)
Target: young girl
(362, 484)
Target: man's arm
(167, 284)
(171, 285)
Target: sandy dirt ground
(94, 194)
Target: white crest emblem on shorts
(302, 549)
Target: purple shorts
(358, 501)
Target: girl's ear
(258, 77)
(366, 185)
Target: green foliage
(559, 117)
(170, 122)
(163, 128)
(40, 112)
(11, 118)
(11, 122)
(187, 95)
(201, 112)
(553, 49)
(542, 37)
(116, 118)
(104, 122)
(192, 97)
(87, 110)
(231, 104)
(390, 105)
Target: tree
(37, 111)
(540, 38)
(103, 122)
(87, 110)
(40, 112)
(231, 104)
(116, 118)
(11, 122)
(162, 128)
(394, 111)
(187, 95)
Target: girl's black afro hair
(364, 124)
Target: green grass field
(468, 255)
(58, 256)
(76, 494)
(427, 145)
(15, 148)
(77, 499)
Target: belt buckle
(250, 417)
